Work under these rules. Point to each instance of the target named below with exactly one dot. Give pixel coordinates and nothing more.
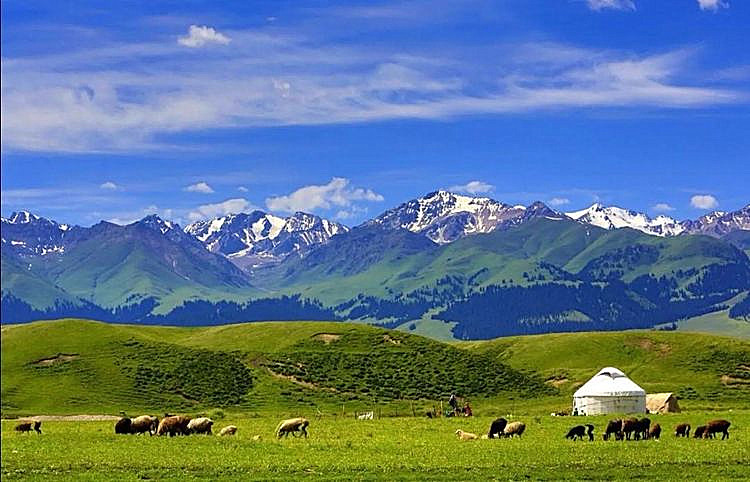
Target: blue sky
(194, 109)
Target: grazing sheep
(228, 430)
(655, 431)
(614, 427)
(641, 431)
(577, 432)
(717, 426)
(200, 425)
(590, 431)
(497, 427)
(465, 435)
(366, 416)
(514, 428)
(123, 426)
(144, 423)
(629, 425)
(25, 427)
(682, 430)
(173, 425)
(699, 431)
(293, 426)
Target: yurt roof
(609, 382)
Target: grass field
(384, 449)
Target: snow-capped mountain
(719, 223)
(613, 217)
(27, 234)
(444, 216)
(259, 238)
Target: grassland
(275, 368)
(384, 449)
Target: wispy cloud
(558, 201)
(230, 206)
(109, 185)
(704, 201)
(242, 189)
(128, 96)
(662, 208)
(198, 36)
(200, 187)
(324, 196)
(712, 5)
(611, 4)
(473, 187)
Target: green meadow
(384, 449)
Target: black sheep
(123, 426)
(497, 428)
(577, 432)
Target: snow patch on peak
(613, 217)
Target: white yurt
(609, 391)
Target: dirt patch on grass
(297, 381)
(557, 382)
(728, 380)
(69, 418)
(662, 349)
(59, 358)
(326, 338)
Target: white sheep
(200, 425)
(466, 435)
(292, 425)
(514, 428)
(228, 430)
(144, 423)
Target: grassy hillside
(698, 367)
(92, 367)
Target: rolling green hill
(77, 366)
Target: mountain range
(443, 256)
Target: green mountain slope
(93, 367)
(35, 290)
(119, 265)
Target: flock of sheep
(180, 425)
(621, 429)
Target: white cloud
(108, 185)
(200, 187)
(242, 189)
(473, 187)
(309, 198)
(662, 208)
(611, 4)
(230, 206)
(712, 5)
(284, 80)
(199, 36)
(558, 201)
(704, 201)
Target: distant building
(609, 391)
(662, 403)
